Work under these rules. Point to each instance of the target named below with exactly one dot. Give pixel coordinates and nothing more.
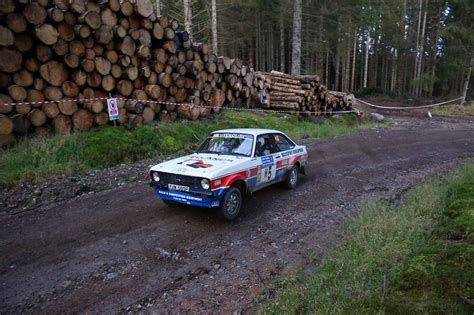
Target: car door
(265, 153)
(284, 147)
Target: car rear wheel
(292, 178)
(231, 204)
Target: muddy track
(122, 250)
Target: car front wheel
(231, 204)
(292, 178)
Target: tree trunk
(51, 110)
(417, 51)
(82, 120)
(144, 7)
(187, 18)
(21, 125)
(421, 53)
(393, 75)
(257, 40)
(11, 59)
(270, 50)
(6, 36)
(348, 63)
(68, 108)
(296, 45)
(35, 13)
(282, 44)
(7, 6)
(466, 83)
(6, 125)
(158, 7)
(62, 124)
(214, 27)
(37, 117)
(354, 55)
(148, 115)
(366, 64)
(375, 62)
(336, 67)
(326, 77)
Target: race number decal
(267, 171)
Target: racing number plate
(178, 187)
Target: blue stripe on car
(252, 182)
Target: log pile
(302, 94)
(339, 101)
(53, 53)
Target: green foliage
(417, 257)
(370, 91)
(35, 159)
(250, 30)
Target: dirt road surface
(122, 250)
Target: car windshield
(228, 144)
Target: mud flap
(302, 170)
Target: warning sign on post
(113, 108)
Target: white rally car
(229, 164)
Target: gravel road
(122, 250)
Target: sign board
(112, 107)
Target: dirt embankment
(121, 249)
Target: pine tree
(296, 44)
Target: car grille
(190, 181)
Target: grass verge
(35, 159)
(413, 258)
(455, 110)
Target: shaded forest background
(413, 48)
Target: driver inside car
(262, 148)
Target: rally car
(229, 164)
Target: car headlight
(155, 176)
(205, 183)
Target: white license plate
(178, 187)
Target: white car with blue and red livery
(229, 164)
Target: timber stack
(54, 53)
(339, 101)
(302, 94)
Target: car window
(265, 145)
(283, 142)
(229, 144)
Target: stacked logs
(339, 101)
(53, 53)
(76, 49)
(302, 93)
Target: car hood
(200, 165)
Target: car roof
(251, 131)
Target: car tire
(171, 203)
(231, 204)
(292, 178)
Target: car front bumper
(199, 200)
